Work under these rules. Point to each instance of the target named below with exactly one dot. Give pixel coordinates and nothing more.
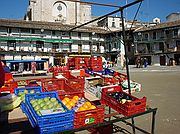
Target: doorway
(163, 60)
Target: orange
(85, 106)
(81, 109)
(68, 106)
(71, 103)
(74, 101)
(64, 102)
(76, 98)
(88, 104)
(92, 107)
(66, 99)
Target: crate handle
(137, 103)
(88, 114)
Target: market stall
(59, 105)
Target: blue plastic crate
(37, 89)
(89, 72)
(92, 73)
(53, 119)
(109, 71)
(30, 118)
(66, 125)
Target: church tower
(61, 11)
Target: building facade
(63, 11)
(173, 17)
(160, 44)
(22, 40)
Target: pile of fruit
(8, 83)
(23, 93)
(22, 83)
(121, 97)
(47, 105)
(78, 104)
(9, 102)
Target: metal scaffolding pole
(120, 8)
(126, 58)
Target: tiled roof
(48, 26)
(160, 26)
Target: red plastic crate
(61, 87)
(128, 108)
(8, 76)
(76, 83)
(111, 80)
(87, 117)
(9, 87)
(52, 84)
(120, 76)
(67, 74)
(30, 82)
(97, 68)
(84, 118)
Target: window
(53, 33)
(154, 35)
(167, 32)
(39, 44)
(175, 32)
(25, 30)
(113, 24)
(120, 24)
(9, 30)
(90, 36)
(79, 35)
(55, 45)
(33, 31)
(11, 43)
(146, 36)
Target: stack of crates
(77, 63)
(86, 116)
(80, 63)
(49, 123)
(71, 64)
(96, 63)
(62, 87)
(17, 91)
(9, 84)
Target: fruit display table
(18, 123)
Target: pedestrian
(124, 63)
(138, 62)
(141, 62)
(145, 62)
(2, 74)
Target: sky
(16, 9)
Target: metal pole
(120, 8)
(94, 3)
(153, 122)
(132, 119)
(126, 58)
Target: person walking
(145, 62)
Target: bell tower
(61, 11)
